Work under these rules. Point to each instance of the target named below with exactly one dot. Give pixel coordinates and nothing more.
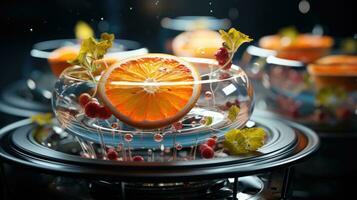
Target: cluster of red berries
(222, 56)
(207, 149)
(92, 108)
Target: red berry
(91, 109)
(207, 153)
(211, 142)
(203, 146)
(112, 154)
(104, 113)
(84, 99)
(222, 55)
(227, 66)
(138, 158)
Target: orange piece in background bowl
(198, 43)
(335, 70)
(58, 59)
(304, 47)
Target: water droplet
(211, 11)
(210, 3)
(178, 146)
(149, 152)
(31, 29)
(157, 3)
(102, 18)
(208, 95)
(115, 125)
(128, 137)
(158, 137)
(130, 8)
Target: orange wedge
(198, 43)
(150, 91)
(58, 59)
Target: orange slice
(198, 43)
(58, 59)
(150, 91)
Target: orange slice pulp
(150, 91)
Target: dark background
(27, 22)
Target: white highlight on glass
(229, 89)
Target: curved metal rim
(49, 44)
(8, 105)
(136, 172)
(283, 142)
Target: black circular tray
(17, 146)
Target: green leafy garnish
(289, 32)
(330, 96)
(92, 50)
(209, 120)
(233, 112)
(240, 141)
(233, 39)
(42, 119)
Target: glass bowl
(220, 91)
(325, 103)
(306, 48)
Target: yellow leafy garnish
(42, 119)
(240, 141)
(349, 45)
(209, 120)
(330, 96)
(233, 39)
(233, 112)
(289, 32)
(83, 30)
(92, 50)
